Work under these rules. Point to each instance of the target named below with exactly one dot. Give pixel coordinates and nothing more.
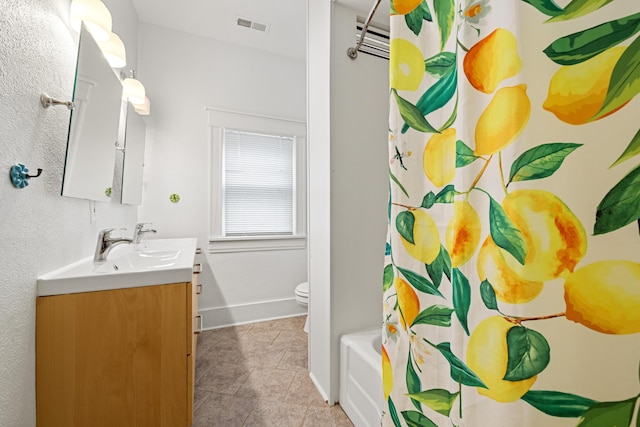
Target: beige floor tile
(256, 375)
(276, 414)
(223, 410)
(332, 416)
(292, 339)
(303, 392)
(224, 378)
(267, 384)
(294, 358)
(286, 324)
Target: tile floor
(256, 375)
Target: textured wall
(39, 229)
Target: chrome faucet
(140, 231)
(106, 243)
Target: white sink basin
(153, 262)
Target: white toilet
(302, 298)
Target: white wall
(183, 75)
(39, 229)
(348, 117)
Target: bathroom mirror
(93, 128)
(133, 157)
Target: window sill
(254, 243)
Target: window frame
(219, 119)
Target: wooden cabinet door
(112, 358)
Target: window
(258, 183)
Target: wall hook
(48, 101)
(19, 175)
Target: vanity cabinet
(120, 357)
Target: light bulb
(133, 91)
(95, 15)
(114, 51)
(143, 109)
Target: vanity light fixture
(133, 91)
(114, 51)
(143, 109)
(95, 16)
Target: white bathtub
(361, 394)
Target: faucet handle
(140, 225)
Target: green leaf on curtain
(428, 200)
(460, 372)
(632, 150)
(548, 7)
(464, 154)
(436, 315)
(437, 96)
(404, 224)
(417, 419)
(412, 116)
(445, 13)
(504, 233)
(394, 413)
(438, 399)
(420, 283)
(387, 280)
(426, 13)
(488, 295)
(529, 353)
(558, 404)
(461, 298)
(625, 80)
(446, 194)
(621, 205)
(413, 381)
(541, 161)
(414, 20)
(394, 179)
(578, 8)
(583, 45)
(442, 264)
(452, 118)
(440, 64)
(609, 414)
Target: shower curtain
(512, 275)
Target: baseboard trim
(320, 389)
(221, 317)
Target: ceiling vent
(376, 40)
(248, 23)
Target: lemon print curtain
(512, 276)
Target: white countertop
(152, 262)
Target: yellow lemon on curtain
(426, 237)
(487, 356)
(554, 237)
(405, 6)
(463, 233)
(439, 159)
(605, 296)
(492, 60)
(408, 302)
(577, 92)
(507, 284)
(502, 121)
(387, 374)
(406, 65)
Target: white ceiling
(217, 19)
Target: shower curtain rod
(352, 52)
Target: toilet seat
(302, 293)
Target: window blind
(258, 184)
